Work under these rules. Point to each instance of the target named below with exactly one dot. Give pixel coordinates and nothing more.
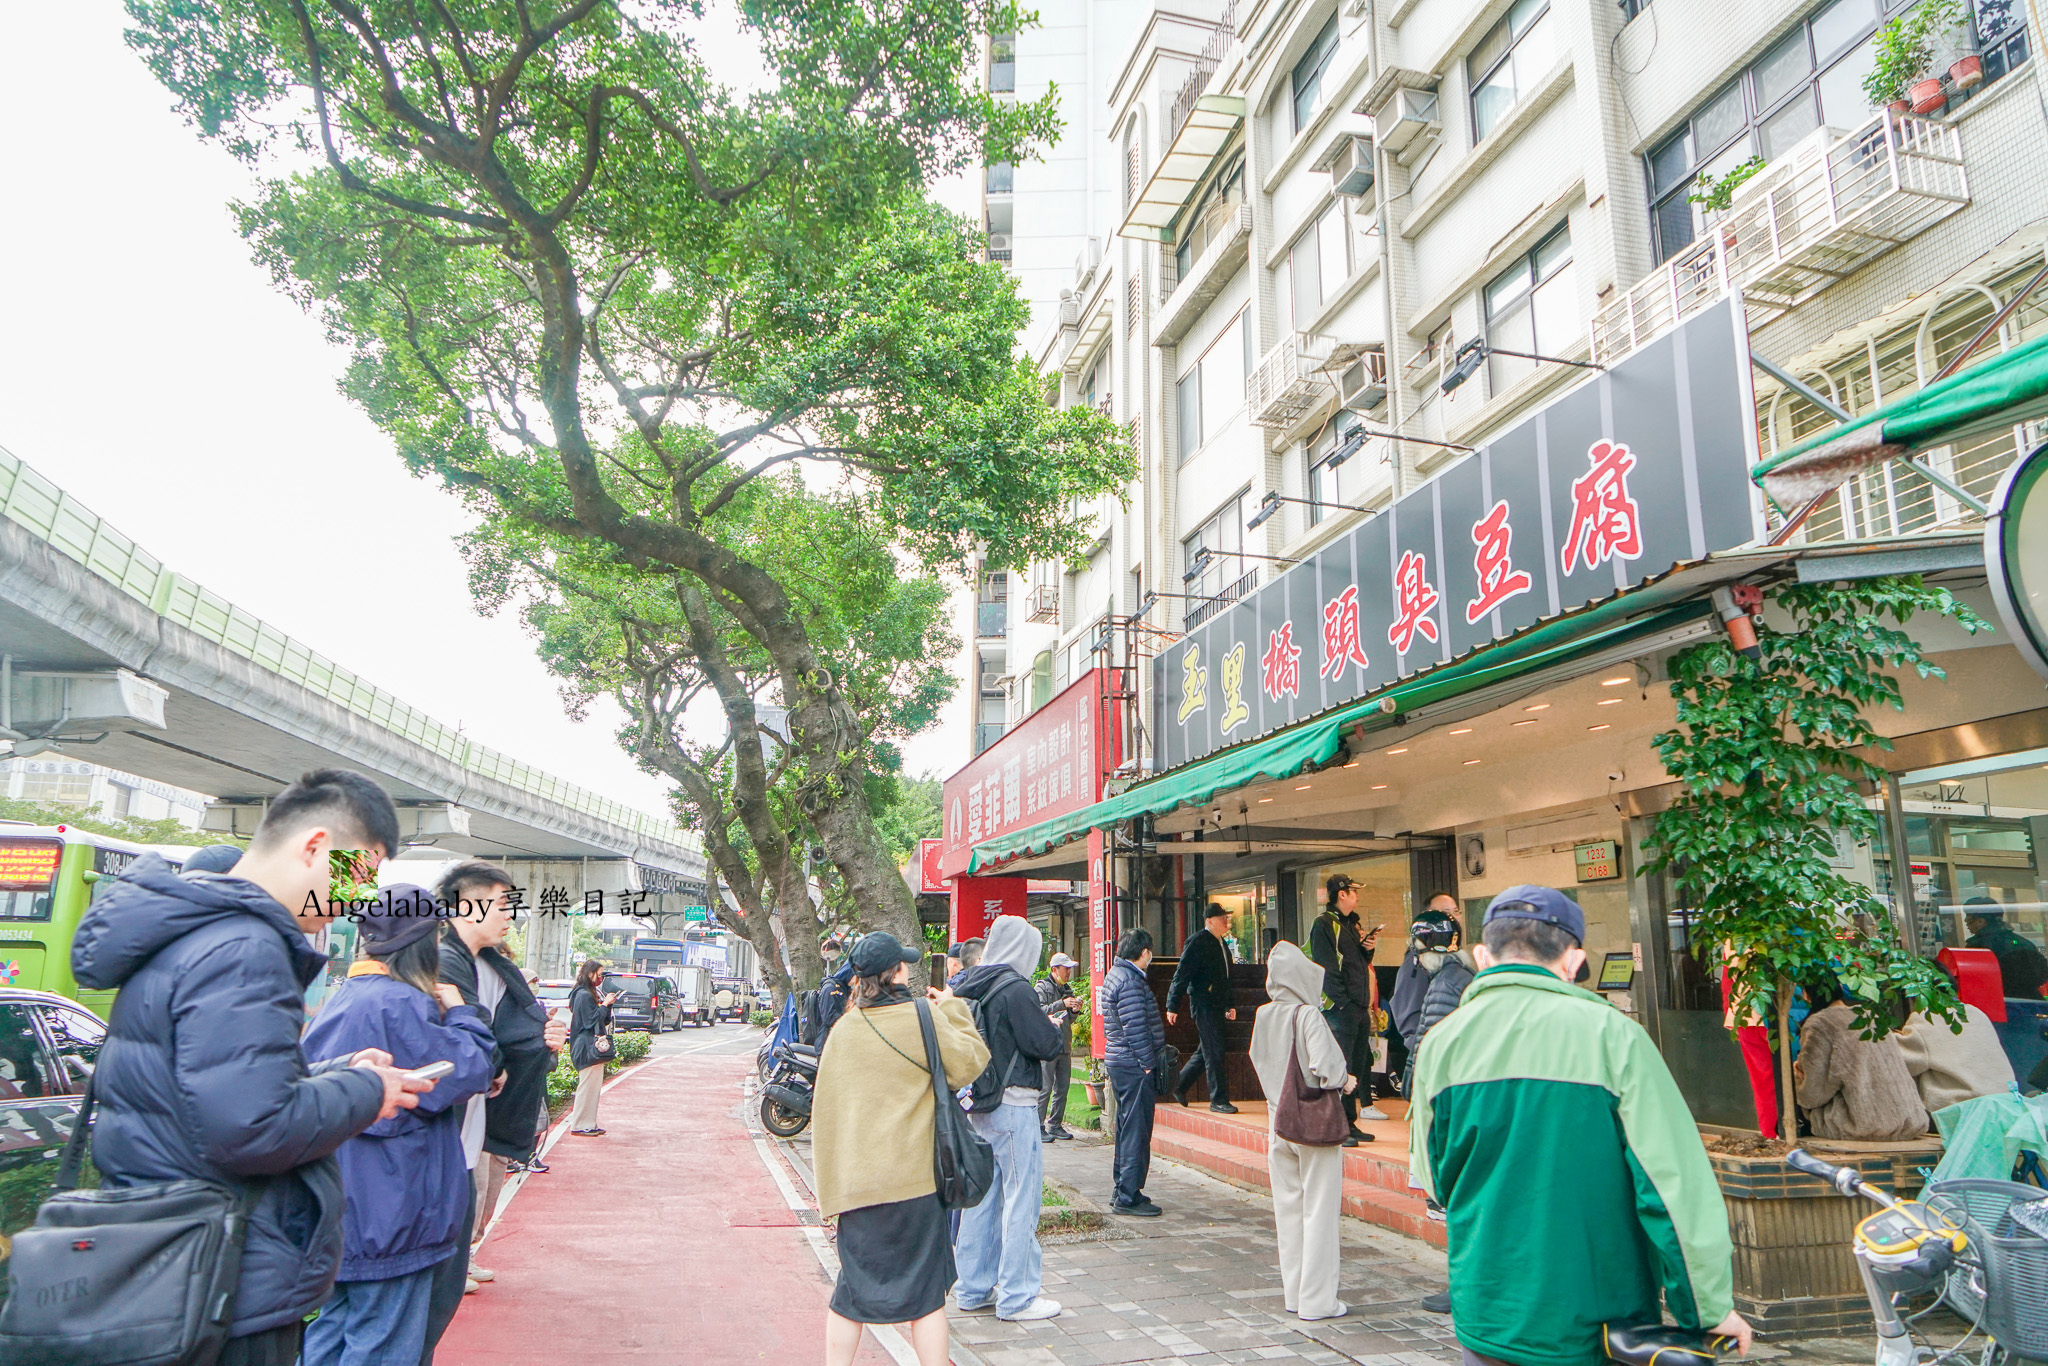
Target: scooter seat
(1660, 1344)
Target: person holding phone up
(403, 1179)
(1350, 994)
(590, 1044)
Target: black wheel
(779, 1121)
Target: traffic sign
(691, 913)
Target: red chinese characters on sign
(1414, 599)
(1341, 646)
(1499, 580)
(1280, 666)
(1605, 522)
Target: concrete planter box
(1793, 1269)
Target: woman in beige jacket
(872, 1133)
(1308, 1182)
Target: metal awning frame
(1211, 124)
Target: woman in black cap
(872, 1133)
(403, 1179)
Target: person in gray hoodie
(1308, 1182)
(998, 1257)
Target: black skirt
(895, 1261)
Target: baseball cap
(1339, 882)
(876, 953)
(1547, 904)
(402, 914)
(1061, 960)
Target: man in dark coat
(202, 1076)
(1345, 956)
(1204, 978)
(1132, 1037)
(2021, 965)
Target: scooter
(786, 1095)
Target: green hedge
(628, 1048)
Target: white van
(695, 987)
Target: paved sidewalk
(667, 1240)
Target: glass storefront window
(1973, 836)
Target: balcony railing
(1202, 611)
(991, 619)
(1288, 383)
(1211, 57)
(1044, 603)
(987, 733)
(1827, 210)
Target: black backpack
(817, 1011)
(987, 1091)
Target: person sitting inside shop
(1951, 1066)
(1851, 1087)
(2022, 966)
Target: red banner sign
(930, 881)
(1049, 764)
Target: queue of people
(369, 1145)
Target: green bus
(49, 874)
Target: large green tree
(591, 287)
(698, 691)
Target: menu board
(29, 865)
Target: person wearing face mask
(1434, 934)
(1576, 1189)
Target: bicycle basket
(2004, 1287)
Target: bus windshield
(28, 876)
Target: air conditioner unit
(1363, 383)
(1406, 116)
(1351, 168)
(999, 241)
(991, 683)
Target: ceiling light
(1402, 750)
(1302, 788)
(1352, 764)
(1530, 722)
(1616, 682)
(1537, 706)
(1470, 762)
(1264, 800)
(1599, 727)
(1610, 701)
(1462, 730)
(1379, 787)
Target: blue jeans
(997, 1254)
(1135, 1093)
(372, 1323)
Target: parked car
(48, 1047)
(645, 1002)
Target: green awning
(1316, 741)
(1997, 393)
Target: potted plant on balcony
(1716, 196)
(1902, 57)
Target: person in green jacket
(1573, 1177)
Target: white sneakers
(1040, 1308)
(1342, 1310)
(1373, 1112)
(477, 1273)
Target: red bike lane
(664, 1240)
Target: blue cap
(1547, 904)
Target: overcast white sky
(148, 367)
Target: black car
(645, 1002)
(48, 1047)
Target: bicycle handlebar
(1800, 1160)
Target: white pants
(1308, 1197)
(589, 1081)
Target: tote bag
(1312, 1116)
(963, 1163)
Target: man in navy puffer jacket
(201, 1075)
(1132, 1036)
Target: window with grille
(1132, 303)
(1131, 172)
(1533, 306)
(1515, 54)
(1812, 77)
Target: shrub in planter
(761, 1019)
(1767, 749)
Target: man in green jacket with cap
(1576, 1188)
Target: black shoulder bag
(139, 1276)
(962, 1161)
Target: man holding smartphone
(1349, 992)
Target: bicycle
(1972, 1239)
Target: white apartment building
(114, 795)
(1306, 209)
